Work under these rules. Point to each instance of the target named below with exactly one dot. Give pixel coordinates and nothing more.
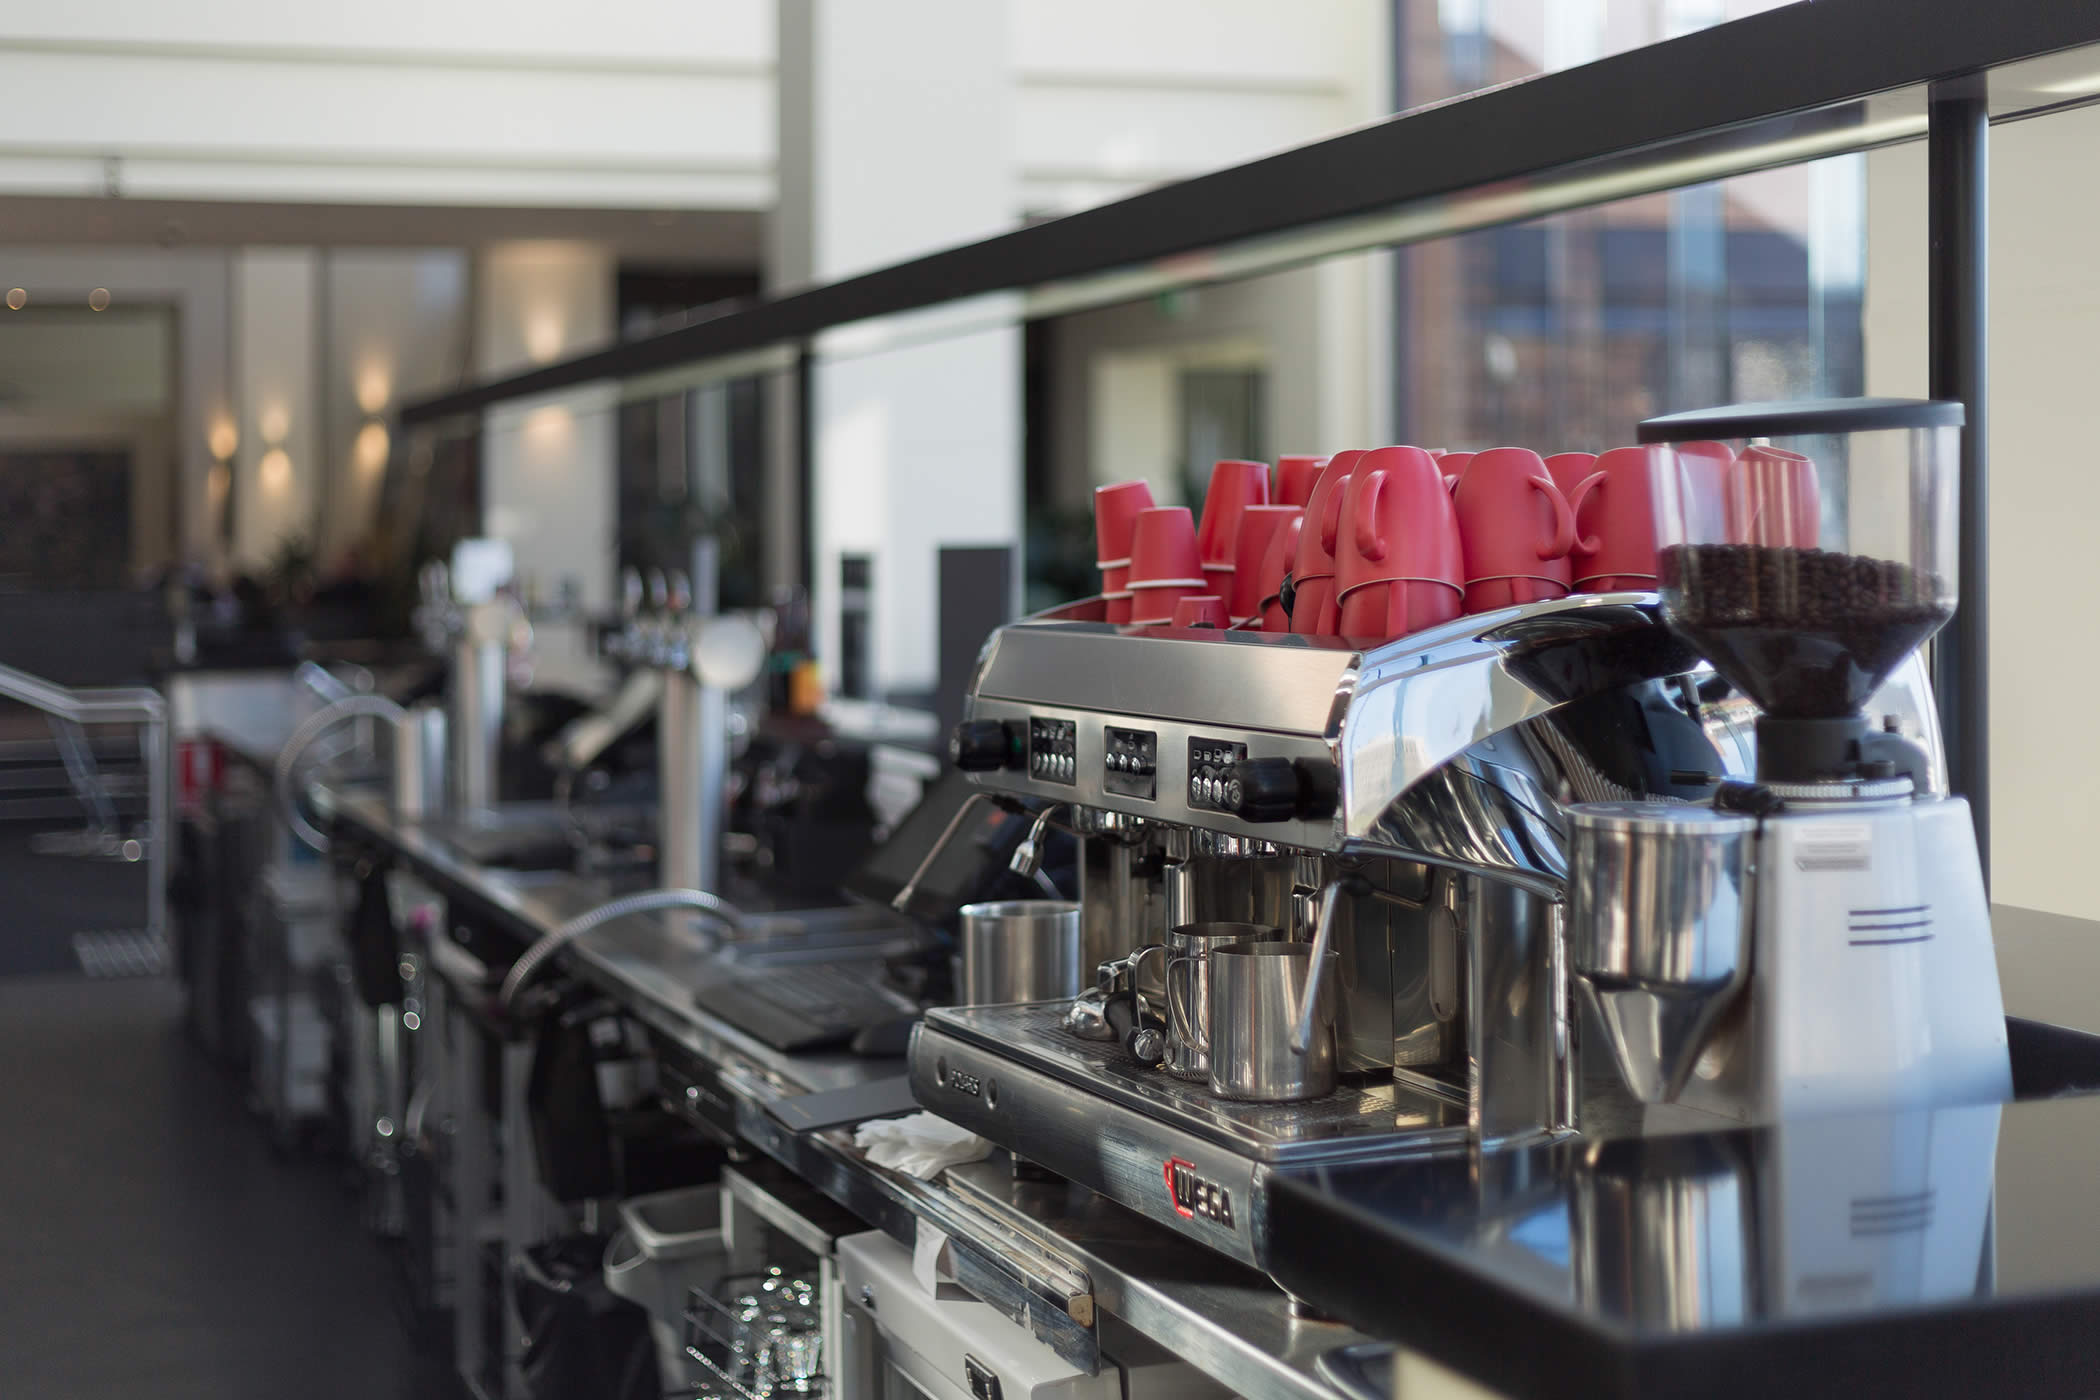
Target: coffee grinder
(1816, 938)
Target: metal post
(476, 723)
(1959, 142)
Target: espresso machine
(1415, 817)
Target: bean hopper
(1816, 937)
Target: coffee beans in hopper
(1805, 633)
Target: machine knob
(1281, 789)
(983, 745)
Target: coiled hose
(534, 958)
(318, 723)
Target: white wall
(2044, 491)
(396, 329)
(277, 468)
(1112, 95)
(629, 103)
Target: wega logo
(1195, 1198)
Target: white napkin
(923, 1144)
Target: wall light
(17, 298)
(223, 439)
(275, 421)
(98, 300)
(369, 451)
(217, 480)
(274, 472)
(543, 334)
(549, 432)
(375, 382)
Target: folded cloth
(923, 1145)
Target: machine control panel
(1053, 751)
(1130, 762)
(1214, 784)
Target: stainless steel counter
(1052, 1256)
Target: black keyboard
(795, 1007)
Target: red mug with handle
(1772, 499)
(1275, 563)
(1401, 567)
(1615, 522)
(1313, 610)
(1516, 528)
(1569, 470)
(1295, 478)
(1258, 525)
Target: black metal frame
(1958, 223)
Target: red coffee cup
(1201, 610)
(1275, 563)
(1313, 612)
(1115, 590)
(1614, 510)
(1115, 512)
(1258, 525)
(1517, 530)
(1400, 567)
(1453, 466)
(1152, 605)
(1163, 549)
(1569, 470)
(1295, 479)
(1702, 470)
(1233, 487)
(1218, 578)
(1772, 499)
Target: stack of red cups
(1164, 564)
(1116, 511)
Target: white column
(276, 468)
(548, 465)
(896, 139)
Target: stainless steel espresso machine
(1392, 834)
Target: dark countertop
(1932, 1252)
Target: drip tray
(1362, 1113)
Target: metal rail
(146, 710)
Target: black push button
(983, 745)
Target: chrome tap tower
(466, 617)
